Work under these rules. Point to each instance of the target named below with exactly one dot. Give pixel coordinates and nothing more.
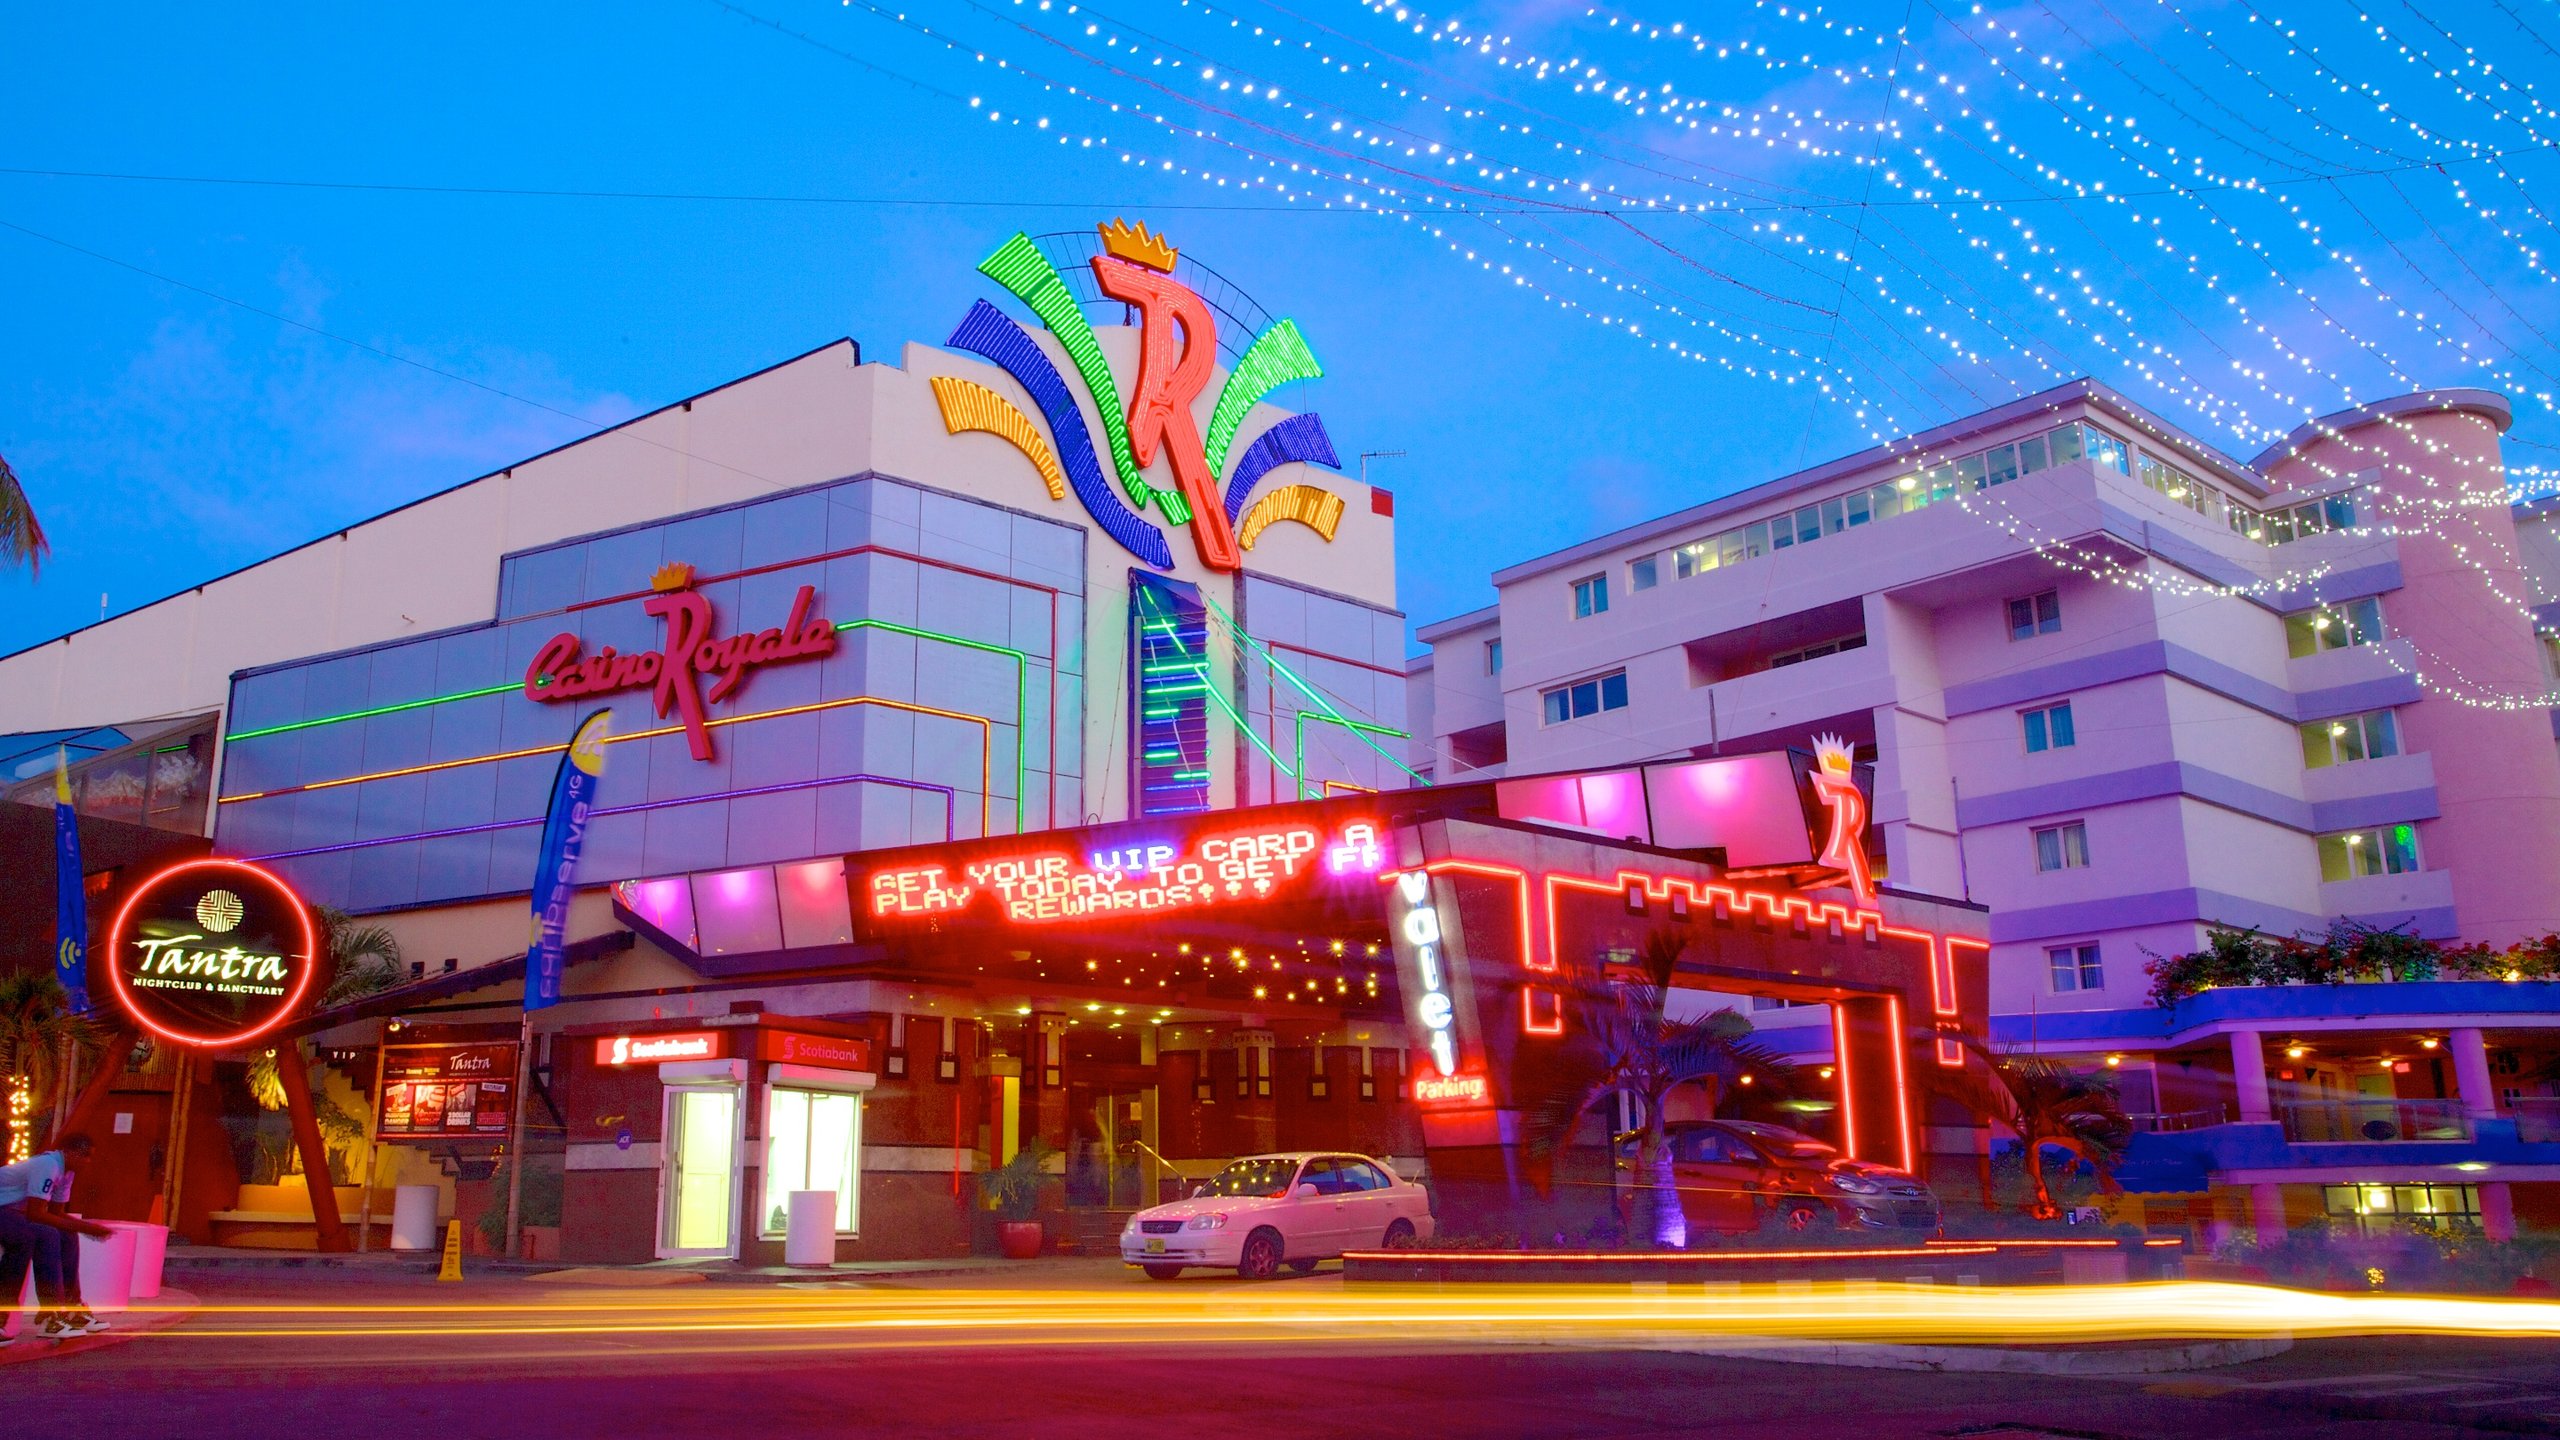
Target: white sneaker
(71, 1325)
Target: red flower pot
(1020, 1239)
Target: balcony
(2377, 1121)
(2180, 1121)
(2537, 1119)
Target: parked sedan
(1265, 1211)
(1732, 1173)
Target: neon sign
(1846, 849)
(1451, 1089)
(651, 1049)
(212, 954)
(1141, 879)
(694, 648)
(1414, 921)
(1358, 853)
(1177, 357)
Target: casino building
(1007, 744)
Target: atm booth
(1397, 974)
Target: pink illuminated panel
(815, 908)
(1608, 802)
(735, 911)
(665, 903)
(1748, 804)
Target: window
(2048, 728)
(2075, 967)
(2062, 847)
(1586, 697)
(1695, 558)
(1361, 1175)
(1590, 597)
(2382, 850)
(1493, 657)
(2350, 738)
(2385, 1209)
(1773, 1002)
(2035, 615)
(812, 1141)
(2333, 627)
(1816, 652)
(1643, 572)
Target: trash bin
(810, 1238)
(413, 1218)
(106, 1270)
(150, 1254)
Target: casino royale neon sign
(1144, 879)
(694, 648)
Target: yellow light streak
(1223, 1314)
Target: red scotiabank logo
(694, 648)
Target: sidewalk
(157, 1313)
(1050, 1270)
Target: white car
(1266, 1211)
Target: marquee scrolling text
(1139, 879)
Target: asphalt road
(272, 1356)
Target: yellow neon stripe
(1313, 506)
(968, 405)
(986, 751)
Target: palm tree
(21, 538)
(37, 1031)
(1633, 1048)
(2046, 1102)
(363, 959)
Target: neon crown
(674, 575)
(1833, 754)
(1177, 358)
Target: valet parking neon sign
(1416, 926)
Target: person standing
(37, 1232)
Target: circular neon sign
(212, 954)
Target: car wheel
(1261, 1257)
(1303, 1267)
(1161, 1272)
(1803, 1215)
(1399, 1236)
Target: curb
(1991, 1359)
(167, 1309)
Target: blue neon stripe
(990, 333)
(1300, 437)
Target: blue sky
(166, 436)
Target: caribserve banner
(70, 894)
(564, 834)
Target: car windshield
(1793, 1144)
(1252, 1177)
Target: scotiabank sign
(660, 1048)
(694, 648)
(831, 1052)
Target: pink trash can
(150, 1254)
(106, 1271)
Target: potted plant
(1012, 1191)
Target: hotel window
(1643, 572)
(2035, 615)
(1493, 657)
(2075, 967)
(1816, 652)
(1586, 697)
(2048, 728)
(1590, 597)
(813, 1139)
(2385, 1209)
(2333, 627)
(2062, 847)
(2382, 850)
(1695, 558)
(2349, 738)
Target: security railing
(2354, 1122)
(2173, 1121)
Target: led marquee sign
(1146, 878)
(212, 954)
(694, 648)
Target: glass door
(700, 1178)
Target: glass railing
(2173, 1121)
(2359, 1122)
(2537, 1119)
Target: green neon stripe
(1278, 355)
(1018, 266)
(1243, 726)
(1355, 725)
(1304, 688)
(236, 736)
(1021, 703)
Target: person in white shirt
(36, 1231)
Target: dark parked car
(1732, 1173)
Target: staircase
(1094, 1232)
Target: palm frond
(21, 537)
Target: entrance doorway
(1107, 1159)
(699, 1180)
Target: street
(1083, 1351)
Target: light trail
(1476, 1315)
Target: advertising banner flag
(564, 834)
(70, 894)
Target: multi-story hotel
(2121, 688)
